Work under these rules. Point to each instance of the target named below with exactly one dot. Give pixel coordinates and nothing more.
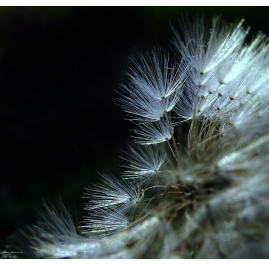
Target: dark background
(59, 69)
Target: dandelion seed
(104, 222)
(207, 48)
(154, 87)
(154, 133)
(145, 164)
(114, 193)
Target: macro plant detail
(206, 198)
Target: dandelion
(208, 199)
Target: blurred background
(60, 68)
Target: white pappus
(208, 199)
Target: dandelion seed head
(198, 195)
